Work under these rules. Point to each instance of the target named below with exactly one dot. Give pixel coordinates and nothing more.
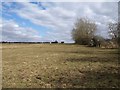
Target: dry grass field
(58, 66)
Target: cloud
(60, 0)
(60, 17)
(11, 31)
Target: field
(58, 66)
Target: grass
(59, 66)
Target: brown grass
(58, 66)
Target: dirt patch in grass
(93, 59)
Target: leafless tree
(83, 31)
(113, 30)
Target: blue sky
(21, 21)
(50, 21)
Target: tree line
(84, 31)
(35, 42)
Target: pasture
(58, 66)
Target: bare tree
(83, 31)
(119, 34)
(113, 30)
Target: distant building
(55, 42)
(62, 41)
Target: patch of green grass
(58, 66)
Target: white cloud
(11, 31)
(60, 0)
(60, 17)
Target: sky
(50, 21)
